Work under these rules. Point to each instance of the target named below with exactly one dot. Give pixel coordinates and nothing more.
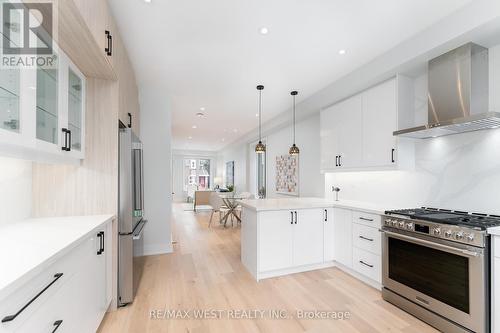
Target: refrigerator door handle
(139, 230)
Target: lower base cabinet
(74, 293)
(343, 236)
(290, 238)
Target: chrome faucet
(336, 190)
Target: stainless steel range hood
(458, 95)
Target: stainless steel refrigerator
(131, 220)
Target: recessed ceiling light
(342, 52)
(256, 114)
(264, 31)
(194, 126)
(190, 137)
(202, 108)
(147, 1)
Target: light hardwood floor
(205, 272)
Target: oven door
(444, 277)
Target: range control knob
(409, 226)
(387, 221)
(447, 234)
(470, 237)
(394, 223)
(401, 224)
(436, 231)
(459, 235)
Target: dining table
(231, 202)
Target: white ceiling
(210, 53)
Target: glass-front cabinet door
(75, 108)
(47, 108)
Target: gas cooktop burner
(445, 216)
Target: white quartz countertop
(494, 231)
(305, 203)
(27, 246)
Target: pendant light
(260, 148)
(294, 150)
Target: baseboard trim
(362, 278)
(293, 270)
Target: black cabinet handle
(69, 141)
(295, 217)
(103, 238)
(65, 147)
(291, 219)
(336, 161)
(57, 323)
(129, 120)
(365, 219)
(392, 155)
(368, 239)
(364, 263)
(100, 235)
(14, 316)
(340, 160)
(109, 48)
(326, 215)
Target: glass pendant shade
(260, 148)
(294, 150)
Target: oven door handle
(437, 245)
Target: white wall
(311, 181)
(278, 142)
(455, 172)
(15, 189)
(155, 136)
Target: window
(261, 175)
(196, 173)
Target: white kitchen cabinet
(73, 292)
(379, 122)
(343, 236)
(340, 135)
(367, 238)
(44, 115)
(328, 235)
(367, 264)
(308, 237)
(495, 284)
(350, 135)
(356, 134)
(275, 240)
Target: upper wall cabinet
(356, 134)
(42, 112)
(99, 21)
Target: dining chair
(217, 205)
(244, 196)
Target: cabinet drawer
(366, 238)
(367, 264)
(67, 265)
(372, 220)
(496, 246)
(57, 314)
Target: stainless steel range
(436, 266)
